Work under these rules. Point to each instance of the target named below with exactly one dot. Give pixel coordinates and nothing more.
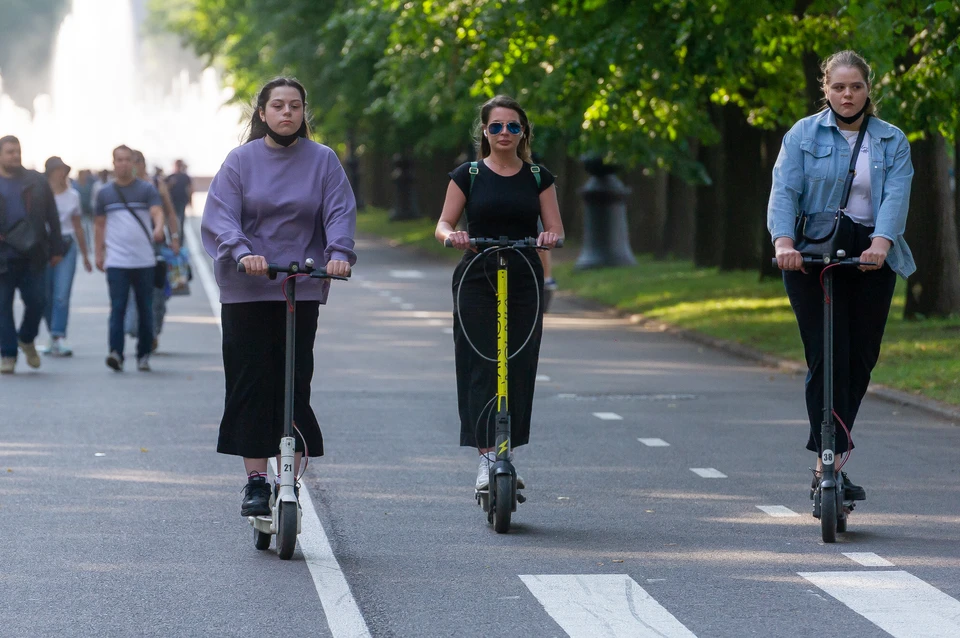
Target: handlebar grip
(448, 243)
(560, 243)
(241, 268)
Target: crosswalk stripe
(608, 416)
(654, 442)
(868, 559)
(899, 603)
(590, 606)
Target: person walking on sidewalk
(127, 209)
(59, 279)
(181, 189)
(160, 295)
(29, 241)
(503, 198)
(809, 176)
(279, 197)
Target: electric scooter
(284, 520)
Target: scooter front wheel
(287, 530)
(828, 514)
(260, 540)
(503, 505)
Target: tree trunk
(679, 230)
(711, 201)
(956, 182)
(647, 222)
(934, 290)
(745, 213)
(771, 148)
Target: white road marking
(407, 274)
(543, 377)
(339, 606)
(447, 331)
(778, 511)
(654, 442)
(708, 472)
(406, 306)
(897, 602)
(384, 293)
(590, 606)
(868, 559)
(608, 416)
(396, 300)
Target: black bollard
(353, 169)
(606, 239)
(405, 206)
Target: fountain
(101, 96)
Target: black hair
(258, 126)
(9, 139)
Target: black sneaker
(852, 492)
(815, 483)
(256, 497)
(115, 361)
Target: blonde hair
(853, 60)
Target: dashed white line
(608, 416)
(543, 377)
(406, 306)
(406, 274)
(396, 300)
(447, 331)
(777, 511)
(708, 472)
(868, 559)
(654, 442)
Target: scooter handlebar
(273, 270)
(853, 261)
(489, 242)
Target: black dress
(498, 206)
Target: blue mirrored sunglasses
(513, 128)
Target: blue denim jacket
(812, 167)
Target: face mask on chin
(282, 140)
(854, 117)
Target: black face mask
(282, 140)
(854, 118)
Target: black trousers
(861, 303)
(254, 336)
(476, 376)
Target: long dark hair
(507, 102)
(258, 126)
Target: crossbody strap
(123, 199)
(848, 184)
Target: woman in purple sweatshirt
(277, 198)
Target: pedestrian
(809, 176)
(181, 189)
(59, 278)
(171, 238)
(503, 199)
(129, 221)
(279, 198)
(29, 241)
(84, 186)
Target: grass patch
(921, 357)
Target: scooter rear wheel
(260, 540)
(503, 505)
(287, 530)
(828, 515)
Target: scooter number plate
(827, 457)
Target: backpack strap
(536, 173)
(474, 171)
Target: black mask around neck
(854, 118)
(282, 140)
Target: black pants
(861, 303)
(254, 336)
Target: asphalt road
(119, 519)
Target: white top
(860, 205)
(68, 205)
(129, 242)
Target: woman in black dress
(507, 196)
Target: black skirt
(253, 356)
(476, 376)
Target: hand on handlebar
(338, 268)
(255, 265)
(460, 240)
(789, 258)
(548, 240)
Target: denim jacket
(812, 168)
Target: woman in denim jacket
(809, 176)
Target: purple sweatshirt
(286, 204)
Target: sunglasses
(513, 128)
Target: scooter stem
(828, 427)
